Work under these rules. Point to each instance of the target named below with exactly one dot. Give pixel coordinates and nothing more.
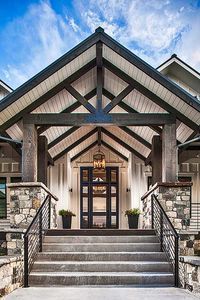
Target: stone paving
(99, 293)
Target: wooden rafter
(123, 144)
(147, 93)
(45, 97)
(100, 75)
(62, 137)
(129, 109)
(99, 136)
(80, 98)
(136, 136)
(84, 151)
(118, 99)
(75, 144)
(70, 109)
(114, 150)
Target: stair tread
(97, 244)
(100, 253)
(102, 262)
(70, 274)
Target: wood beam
(50, 160)
(169, 153)
(52, 92)
(62, 137)
(153, 97)
(83, 151)
(29, 153)
(70, 109)
(80, 98)
(136, 136)
(76, 143)
(42, 159)
(156, 159)
(114, 151)
(81, 119)
(149, 70)
(118, 99)
(122, 143)
(99, 136)
(100, 75)
(129, 109)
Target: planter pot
(133, 221)
(67, 222)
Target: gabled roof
(70, 85)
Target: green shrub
(132, 212)
(67, 212)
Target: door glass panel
(99, 198)
(85, 204)
(85, 190)
(85, 222)
(99, 221)
(113, 175)
(113, 221)
(113, 204)
(99, 175)
(2, 198)
(113, 190)
(85, 175)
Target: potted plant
(133, 216)
(66, 218)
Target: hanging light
(99, 161)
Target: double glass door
(99, 197)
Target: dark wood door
(99, 197)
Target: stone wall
(189, 273)
(175, 199)
(24, 200)
(11, 274)
(189, 243)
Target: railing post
(161, 230)
(176, 265)
(26, 261)
(40, 231)
(152, 213)
(49, 223)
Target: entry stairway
(101, 257)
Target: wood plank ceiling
(51, 96)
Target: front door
(99, 194)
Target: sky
(35, 33)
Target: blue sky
(35, 33)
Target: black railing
(167, 235)
(34, 235)
(195, 216)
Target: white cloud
(42, 37)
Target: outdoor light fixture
(99, 161)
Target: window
(3, 209)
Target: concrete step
(101, 256)
(101, 266)
(99, 247)
(100, 232)
(99, 278)
(101, 239)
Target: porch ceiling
(47, 92)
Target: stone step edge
(102, 274)
(100, 262)
(101, 253)
(97, 244)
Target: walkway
(109, 293)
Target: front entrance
(99, 197)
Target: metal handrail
(167, 234)
(34, 235)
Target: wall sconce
(128, 190)
(70, 190)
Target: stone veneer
(11, 274)
(189, 270)
(24, 200)
(175, 199)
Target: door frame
(108, 185)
